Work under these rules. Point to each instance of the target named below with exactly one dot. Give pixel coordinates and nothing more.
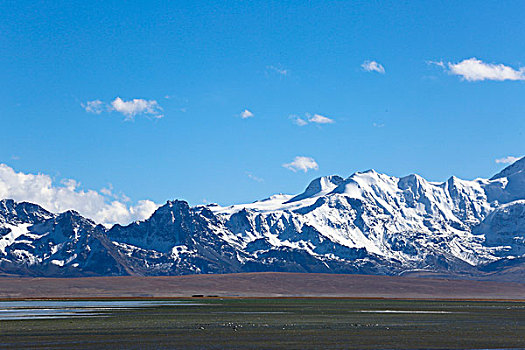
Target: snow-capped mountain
(36, 242)
(367, 223)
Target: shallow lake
(49, 309)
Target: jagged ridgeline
(368, 223)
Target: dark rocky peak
(22, 212)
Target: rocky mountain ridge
(368, 223)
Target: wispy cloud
(246, 114)
(129, 109)
(298, 120)
(320, 119)
(254, 178)
(102, 206)
(302, 163)
(507, 160)
(182, 102)
(95, 106)
(378, 125)
(279, 70)
(309, 118)
(373, 66)
(109, 192)
(473, 69)
(437, 63)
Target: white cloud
(254, 178)
(320, 119)
(507, 160)
(473, 69)
(378, 125)
(278, 70)
(137, 106)
(129, 109)
(298, 120)
(246, 114)
(302, 163)
(373, 66)
(95, 106)
(308, 118)
(437, 63)
(106, 192)
(99, 206)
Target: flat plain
(262, 311)
(262, 284)
(291, 323)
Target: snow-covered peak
(508, 185)
(319, 187)
(275, 202)
(516, 168)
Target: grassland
(300, 323)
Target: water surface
(49, 309)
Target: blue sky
(193, 68)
